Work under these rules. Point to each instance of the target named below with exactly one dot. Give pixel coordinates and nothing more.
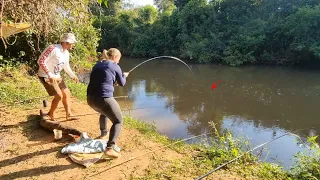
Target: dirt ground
(27, 151)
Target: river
(258, 103)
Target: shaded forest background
(232, 32)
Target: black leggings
(108, 108)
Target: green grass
(206, 158)
(78, 91)
(19, 89)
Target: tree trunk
(46, 123)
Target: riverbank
(28, 151)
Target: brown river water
(258, 103)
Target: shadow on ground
(38, 171)
(24, 157)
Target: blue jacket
(102, 78)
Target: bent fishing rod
(159, 57)
(263, 144)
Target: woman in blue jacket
(104, 75)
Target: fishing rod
(142, 155)
(171, 57)
(263, 144)
(94, 113)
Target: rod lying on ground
(217, 168)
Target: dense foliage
(49, 20)
(307, 164)
(235, 32)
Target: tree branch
(1, 11)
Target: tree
(165, 6)
(180, 3)
(147, 14)
(110, 7)
(49, 19)
(233, 32)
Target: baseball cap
(68, 37)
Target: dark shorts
(50, 89)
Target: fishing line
(44, 101)
(162, 147)
(217, 168)
(88, 114)
(80, 115)
(163, 57)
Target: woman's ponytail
(104, 54)
(110, 54)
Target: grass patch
(19, 89)
(78, 91)
(201, 159)
(307, 164)
(144, 128)
(149, 130)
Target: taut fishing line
(170, 57)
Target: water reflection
(260, 102)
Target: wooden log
(48, 124)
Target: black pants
(108, 108)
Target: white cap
(68, 37)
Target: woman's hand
(126, 74)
